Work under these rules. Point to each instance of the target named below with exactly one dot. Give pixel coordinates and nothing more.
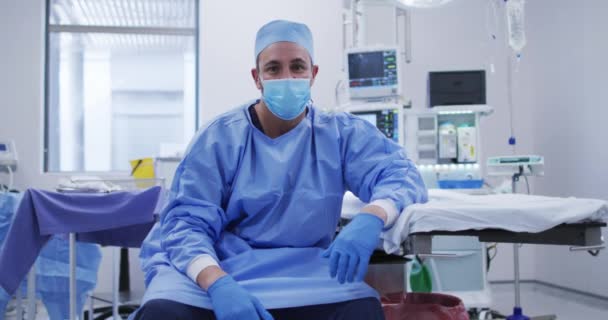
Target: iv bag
(515, 22)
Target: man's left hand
(350, 252)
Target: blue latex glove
(350, 252)
(231, 302)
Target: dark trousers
(360, 309)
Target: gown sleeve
(194, 218)
(376, 168)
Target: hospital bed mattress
(497, 218)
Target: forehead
(283, 51)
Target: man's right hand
(232, 302)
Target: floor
(536, 299)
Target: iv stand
(517, 310)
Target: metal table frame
(580, 236)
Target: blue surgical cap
(282, 30)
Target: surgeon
(249, 231)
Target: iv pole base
(517, 315)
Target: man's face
(283, 60)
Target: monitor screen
(365, 67)
(369, 117)
(387, 121)
(373, 73)
(457, 88)
(3, 147)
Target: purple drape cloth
(119, 218)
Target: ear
(256, 78)
(315, 70)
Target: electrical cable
(510, 102)
(491, 248)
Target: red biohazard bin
(423, 306)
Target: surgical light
(423, 3)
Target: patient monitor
(373, 72)
(388, 118)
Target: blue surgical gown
(266, 208)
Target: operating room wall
(226, 52)
(566, 64)
(457, 37)
(21, 82)
(227, 35)
(558, 101)
(21, 109)
(559, 98)
(228, 30)
(453, 37)
(558, 94)
(448, 38)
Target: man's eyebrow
(271, 63)
(298, 60)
